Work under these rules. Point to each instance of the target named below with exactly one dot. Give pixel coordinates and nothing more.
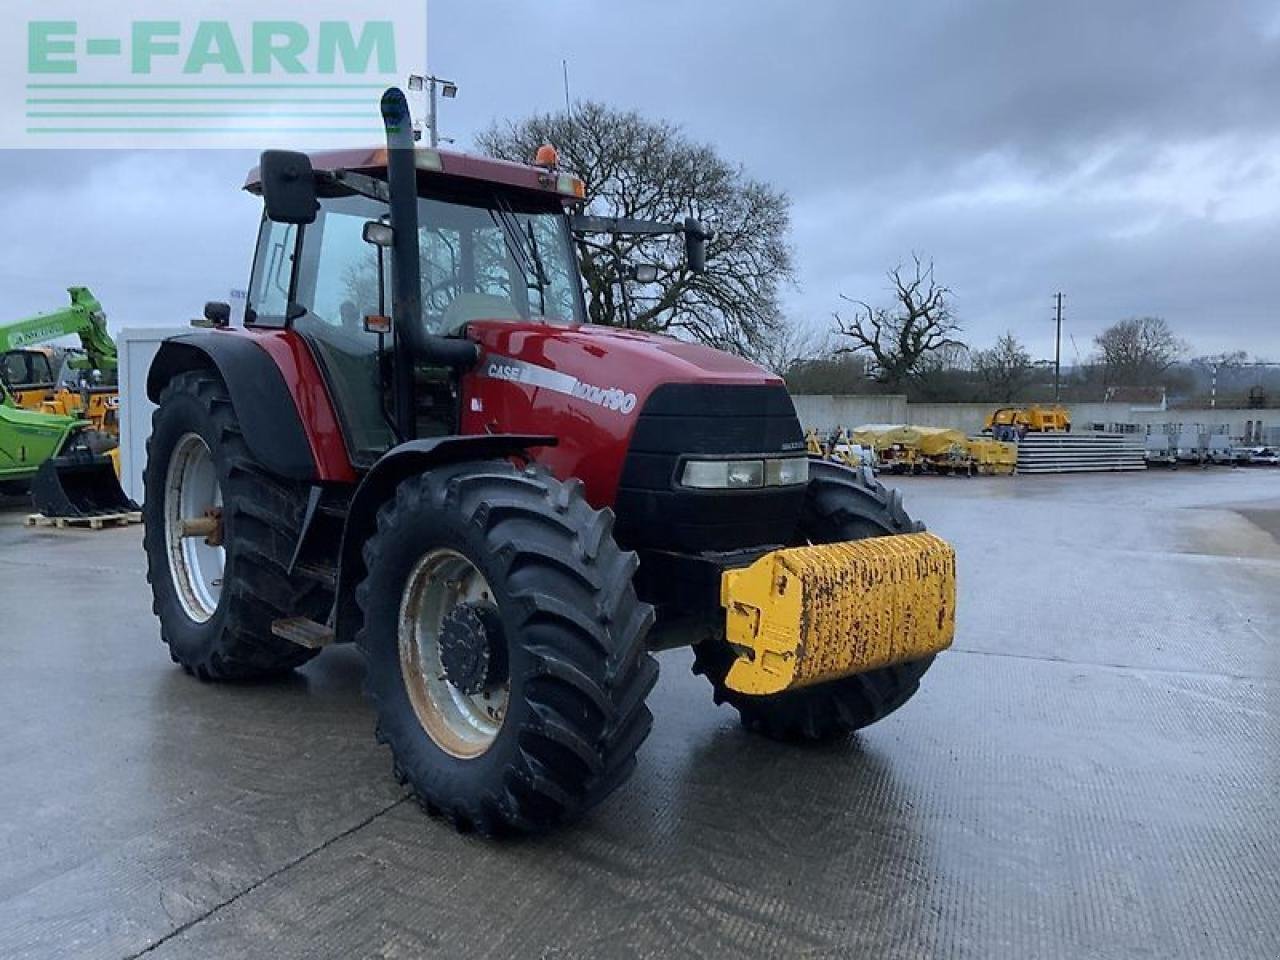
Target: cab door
(336, 288)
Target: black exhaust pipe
(411, 341)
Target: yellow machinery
(895, 456)
(850, 453)
(913, 449)
(841, 450)
(993, 457)
(1032, 419)
(812, 614)
(99, 405)
(813, 444)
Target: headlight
(723, 474)
(786, 473)
(744, 474)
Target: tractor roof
(372, 162)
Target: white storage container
(137, 346)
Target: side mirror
(288, 187)
(379, 234)
(217, 313)
(695, 245)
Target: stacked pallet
(1080, 452)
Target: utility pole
(1057, 354)
(431, 121)
(568, 109)
(435, 86)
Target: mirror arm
(365, 186)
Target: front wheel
(841, 505)
(505, 647)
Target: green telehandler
(57, 441)
(86, 387)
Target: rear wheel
(219, 537)
(505, 646)
(841, 505)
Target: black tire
(841, 505)
(574, 633)
(15, 488)
(261, 518)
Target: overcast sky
(1125, 153)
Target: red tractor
(506, 508)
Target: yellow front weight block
(807, 615)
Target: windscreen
(493, 261)
(488, 259)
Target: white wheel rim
(191, 492)
(463, 725)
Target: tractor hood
(610, 357)
(588, 386)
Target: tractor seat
(475, 306)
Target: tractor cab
(493, 240)
(484, 240)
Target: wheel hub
(471, 646)
(193, 527)
(447, 594)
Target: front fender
(379, 485)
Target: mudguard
(263, 403)
(397, 464)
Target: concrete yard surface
(1093, 771)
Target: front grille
(682, 419)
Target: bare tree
(1222, 370)
(1222, 361)
(1139, 351)
(791, 346)
(901, 339)
(649, 170)
(1004, 370)
(831, 373)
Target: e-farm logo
(225, 73)
(274, 45)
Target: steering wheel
(438, 286)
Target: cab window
(273, 268)
(337, 288)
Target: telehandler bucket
(79, 484)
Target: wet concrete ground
(1093, 771)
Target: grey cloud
(1123, 152)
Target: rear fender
(261, 398)
(379, 485)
